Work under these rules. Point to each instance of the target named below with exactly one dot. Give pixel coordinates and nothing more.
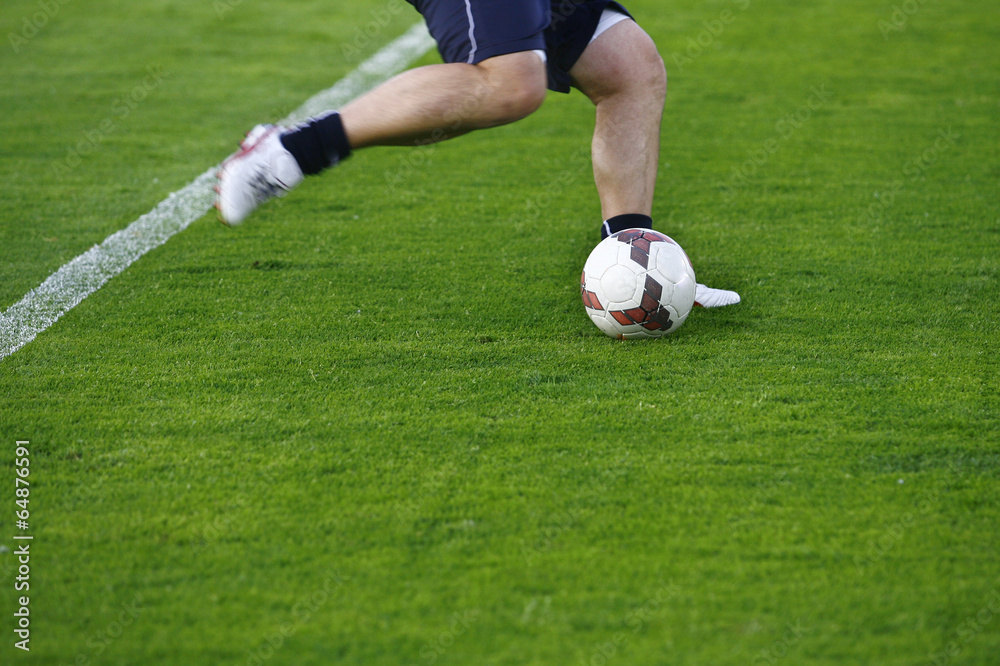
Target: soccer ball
(638, 283)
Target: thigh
(623, 59)
(471, 31)
(569, 33)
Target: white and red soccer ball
(638, 283)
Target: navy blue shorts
(473, 30)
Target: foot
(707, 297)
(261, 169)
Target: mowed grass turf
(374, 426)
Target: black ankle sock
(628, 221)
(318, 143)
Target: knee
(646, 81)
(657, 75)
(520, 99)
(649, 74)
(515, 87)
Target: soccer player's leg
(491, 77)
(438, 102)
(421, 106)
(622, 73)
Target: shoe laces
(264, 188)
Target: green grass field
(374, 425)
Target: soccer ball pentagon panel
(638, 283)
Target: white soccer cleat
(261, 169)
(707, 297)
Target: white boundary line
(82, 276)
